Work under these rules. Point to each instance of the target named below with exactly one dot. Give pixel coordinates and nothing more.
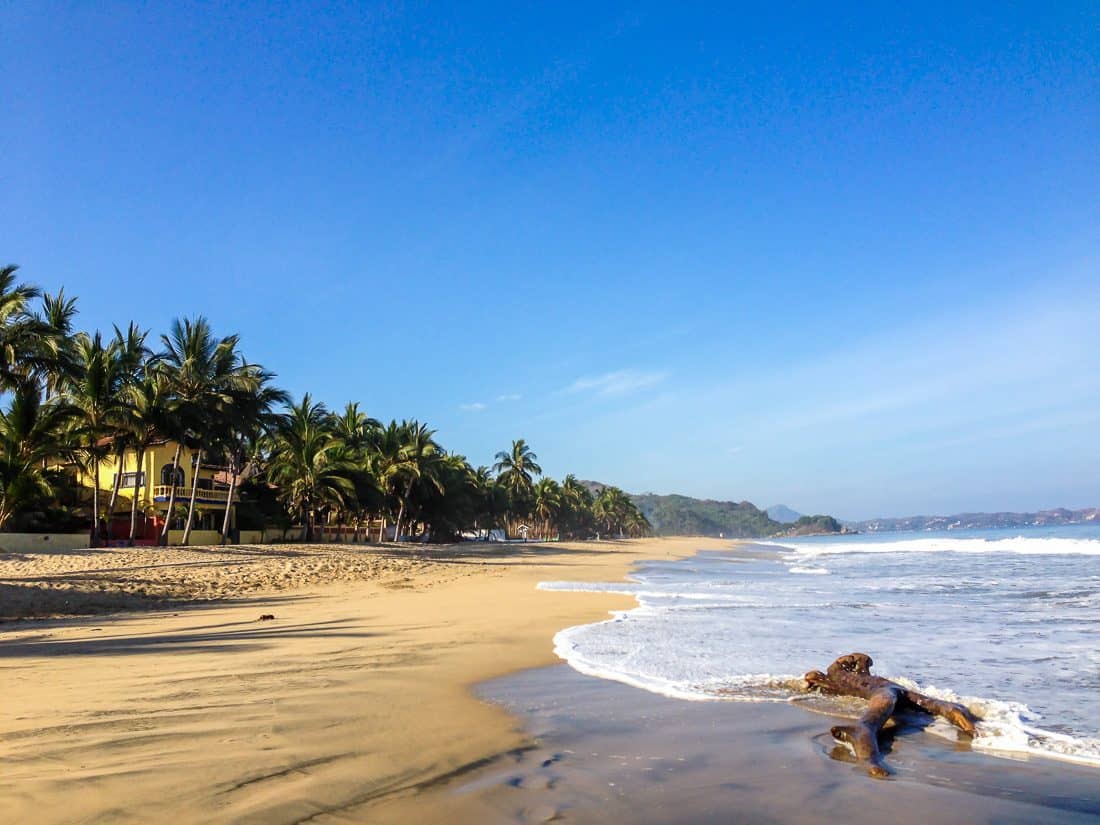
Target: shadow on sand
(225, 637)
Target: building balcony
(162, 492)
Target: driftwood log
(851, 676)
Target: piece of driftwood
(851, 676)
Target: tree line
(85, 399)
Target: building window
(166, 475)
(132, 480)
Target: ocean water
(1007, 622)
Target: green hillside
(676, 515)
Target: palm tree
(577, 502)
(386, 466)
(611, 509)
(515, 471)
(636, 524)
(31, 433)
(27, 344)
(94, 395)
(132, 355)
(452, 501)
(150, 407)
(357, 431)
(306, 465)
(516, 468)
(57, 316)
(359, 435)
(205, 373)
(548, 504)
(417, 460)
(251, 417)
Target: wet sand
(607, 752)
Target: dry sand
(352, 701)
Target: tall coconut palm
(547, 504)
(306, 464)
(356, 430)
(417, 460)
(31, 432)
(250, 417)
(492, 501)
(149, 410)
(516, 470)
(577, 501)
(611, 508)
(27, 345)
(359, 434)
(636, 524)
(386, 466)
(56, 316)
(94, 395)
(451, 501)
(132, 354)
(205, 373)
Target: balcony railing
(161, 492)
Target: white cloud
(733, 450)
(619, 382)
(511, 396)
(475, 406)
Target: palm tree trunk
(229, 505)
(307, 517)
(171, 496)
(95, 503)
(138, 478)
(401, 511)
(382, 530)
(119, 455)
(194, 495)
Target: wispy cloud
(511, 396)
(733, 450)
(475, 406)
(619, 382)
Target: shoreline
(359, 690)
(608, 752)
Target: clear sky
(848, 260)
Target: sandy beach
(365, 700)
(358, 691)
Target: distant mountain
(676, 515)
(783, 514)
(979, 521)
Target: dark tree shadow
(227, 637)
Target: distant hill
(783, 514)
(979, 521)
(683, 516)
(676, 515)
(814, 526)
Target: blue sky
(845, 260)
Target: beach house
(152, 482)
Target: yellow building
(153, 483)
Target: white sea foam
(1019, 545)
(706, 630)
